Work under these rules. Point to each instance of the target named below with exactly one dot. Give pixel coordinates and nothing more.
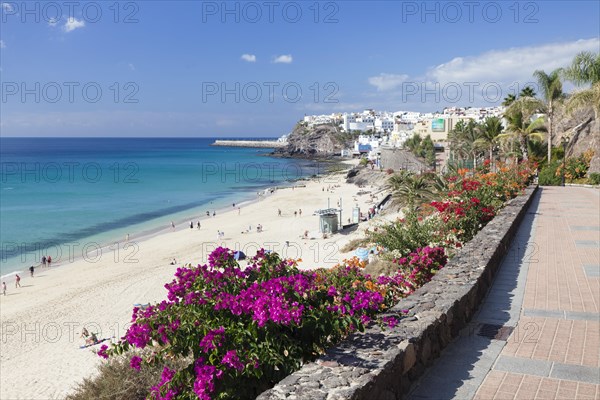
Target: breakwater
(269, 144)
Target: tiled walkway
(547, 295)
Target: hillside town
(396, 127)
(376, 130)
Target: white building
(385, 124)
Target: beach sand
(41, 322)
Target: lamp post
(564, 140)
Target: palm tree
(552, 92)
(586, 98)
(462, 140)
(527, 91)
(585, 69)
(520, 124)
(509, 99)
(407, 188)
(488, 134)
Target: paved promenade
(537, 334)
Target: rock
(319, 141)
(410, 357)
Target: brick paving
(562, 293)
(505, 385)
(547, 291)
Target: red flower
(470, 185)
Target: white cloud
(476, 80)
(249, 57)
(53, 21)
(510, 65)
(2, 44)
(72, 24)
(387, 81)
(7, 7)
(283, 59)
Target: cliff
(324, 140)
(583, 132)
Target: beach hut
(328, 220)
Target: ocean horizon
(66, 197)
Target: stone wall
(382, 364)
(400, 159)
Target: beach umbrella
(239, 255)
(362, 253)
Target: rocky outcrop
(318, 141)
(582, 130)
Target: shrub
(464, 217)
(242, 331)
(468, 201)
(404, 235)
(575, 169)
(595, 178)
(547, 175)
(116, 380)
(354, 244)
(381, 267)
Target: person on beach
(90, 338)
(43, 261)
(279, 212)
(49, 260)
(31, 269)
(127, 238)
(172, 225)
(208, 213)
(4, 288)
(300, 212)
(198, 225)
(191, 225)
(17, 281)
(214, 214)
(239, 211)
(233, 205)
(295, 213)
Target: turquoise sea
(58, 195)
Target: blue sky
(191, 68)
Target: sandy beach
(41, 322)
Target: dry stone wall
(382, 364)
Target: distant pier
(250, 143)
